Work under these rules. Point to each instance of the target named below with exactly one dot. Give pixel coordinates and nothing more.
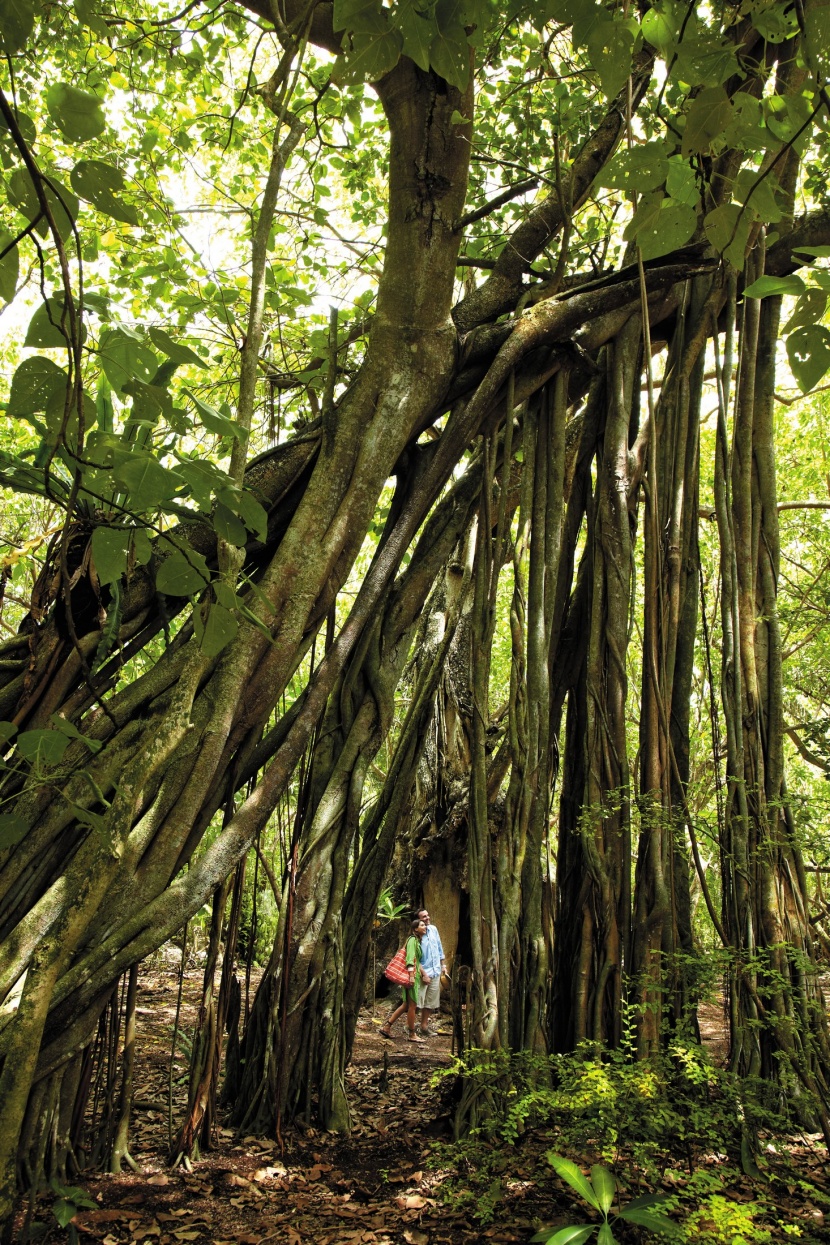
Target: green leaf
(85, 816)
(125, 357)
(808, 350)
(73, 1193)
(216, 631)
(110, 630)
(42, 747)
(70, 730)
(253, 515)
(707, 118)
(606, 1236)
(371, 56)
(109, 552)
(356, 15)
(147, 483)
(44, 327)
(818, 252)
(449, 56)
(699, 62)
(17, 20)
(87, 16)
(180, 576)
(809, 310)
(661, 26)
(228, 527)
(668, 229)
(786, 117)
(214, 420)
(818, 29)
(64, 1211)
(9, 267)
(764, 286)
(605, 1186)
(649, 1219)
(56, 414)
(646, 215)
(99, 183)
(418, 33)
(586, 16)
(759, 191)
(746, 130)
(203, 478)
(77, 114)
(103, 405)
(681, 182)
(570, 1173)
(647, 1199)
(174, 350)
(575, 1234)
(33, 383)
(642, 168)
(142, 548)
(25, 124)
(12, 829)
(610, 44)
(775, 22)
(727, 228)
(62, 203)
(565, 11)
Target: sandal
(414, 1038)
(384, 1033)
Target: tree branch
(512, 192)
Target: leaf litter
(376, 1186)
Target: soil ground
(382, 1185)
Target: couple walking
(427, 965)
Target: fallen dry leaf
(265, 1173)
(413, 1237)
(410, 1201)
(239, 1181)
(159, 1179)
(102, 1216)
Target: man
(433, 968)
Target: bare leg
(393, 1016)
(410, 1020)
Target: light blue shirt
(432, 952)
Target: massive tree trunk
(778, 1023)
(662, 930)
(295, 1045)
(171, 780)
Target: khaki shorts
(429, 993)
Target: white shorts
(429, 993)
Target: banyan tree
(262, 555)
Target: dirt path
(378, 1186)
(390, 1182)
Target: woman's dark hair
(415, 924)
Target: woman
(410, 991)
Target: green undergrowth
(726, 1155)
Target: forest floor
(395, 1180)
